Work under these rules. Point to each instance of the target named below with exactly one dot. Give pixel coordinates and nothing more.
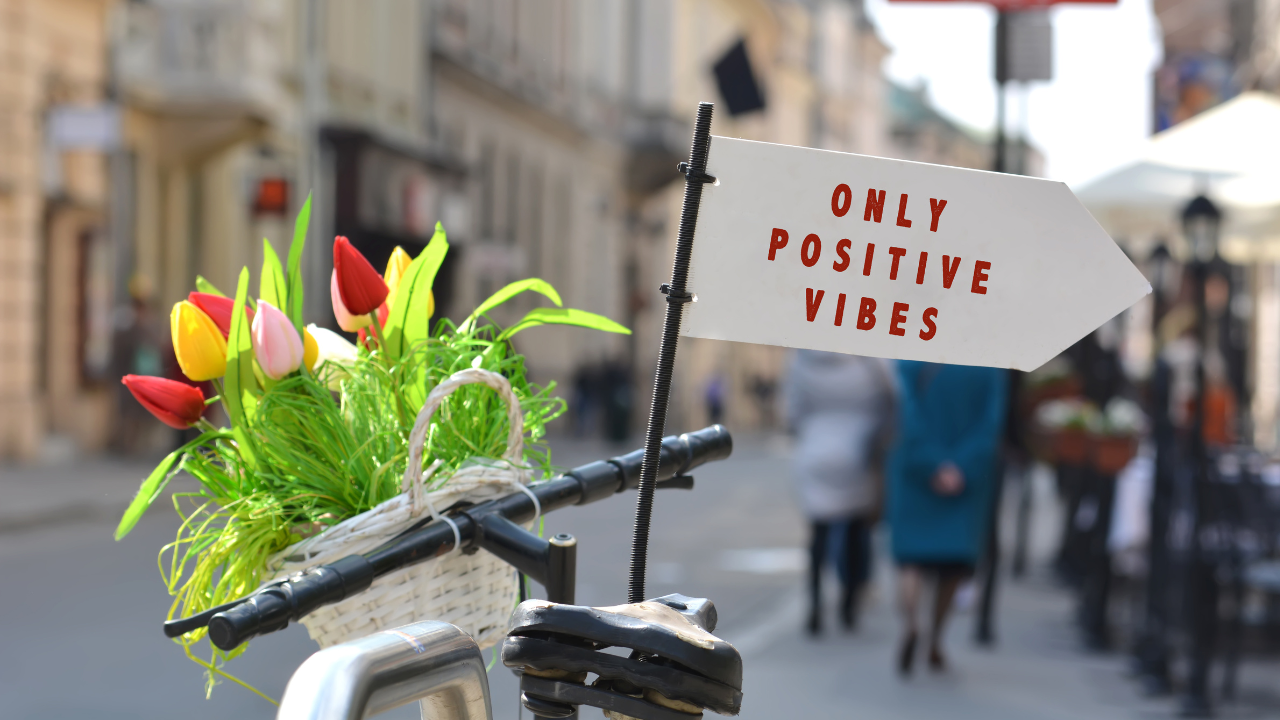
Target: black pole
(695, 174)
(1002, 80)
(984, 632)
(1201, 586)
(1152, 648)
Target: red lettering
(867, 314)
(899, 316)
(924, 258)
(979, 276)
(840, 310)
(929, 315)
(897, 254)
(840, 208)
(843, 263)
(777, 241)
(866, 263)
(949, 271)
(875, 205)
(810, 241)
(936, 207)
(812, 302)
(902, 209)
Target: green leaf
(240, 389)
(156, 482)
(409, 322)
(505, 294)
(294, 311)
(271, 285)
(207, 287)
(564, 316)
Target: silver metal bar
(430, 661)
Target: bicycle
(675, 669)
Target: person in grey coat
(841, 410)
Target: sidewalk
(88, 488)
(1037, 669)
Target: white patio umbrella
(1230, 153)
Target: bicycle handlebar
(273, 606)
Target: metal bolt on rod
(695, 174)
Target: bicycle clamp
(675, 670)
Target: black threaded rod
(676, 297)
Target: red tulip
(360, 286)
(174, 403)
(218, 309)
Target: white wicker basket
(476, 592)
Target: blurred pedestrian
(840, 408)
(941, 479)
(714, 398)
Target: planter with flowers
(333, 447)
(1073, 431)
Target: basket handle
(413, 474)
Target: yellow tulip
(396, 267)
(310, 350)
(198, 343)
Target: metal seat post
(430, 661)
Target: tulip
(276, 343)
(359, 285)
(334, 349)
(346, 319)
(396, 267)
(218, 309)
(198, 343)
(174, 403)
(310, 350)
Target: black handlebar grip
(680, 454)
(273, 607)
(709, 444)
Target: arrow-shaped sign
(855, 254)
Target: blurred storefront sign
(1025, 52)
(271, 197)
(75, 127)
(871, 256)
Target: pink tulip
(276, 342)
(346, 320)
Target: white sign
(854, 254)
(72, 127)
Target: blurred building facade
(1213, 49)
(54, 193)
(543, 135)
(919, 132)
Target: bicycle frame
(433, 662)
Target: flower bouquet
(334, 447)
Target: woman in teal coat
(941, 479)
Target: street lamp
(1202, 224)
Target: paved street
(81, 619)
